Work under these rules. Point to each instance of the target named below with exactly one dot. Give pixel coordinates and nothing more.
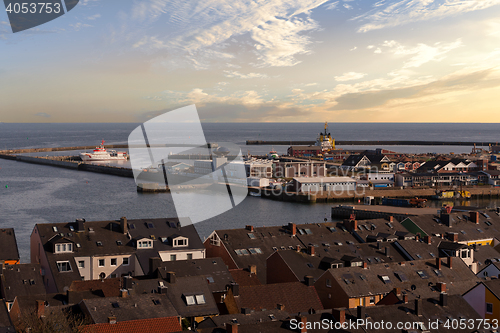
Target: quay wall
(46, 161)
(344, 212)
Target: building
(349, 287)
(493, 177)
(367, 161)
(83, 250)
(304, 151)
(453, 165)
(9, 254)
(485, 299)
(324, 184)
(299, 169)
(434, 179)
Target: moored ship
(101, 154)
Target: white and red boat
(101, 154)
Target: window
(422, 274)
(101, 262)
(251, 236)
(125, 262)
(189, 256)
(81, 264)
(372, 299)
(190, 300)
(386, 279)
(210, 279)
(180, 242)
(145, 244)
(200, 299)
(64, 248)
(328, 283)
(489, 308)
(113, 261)
(173, 257)
(99, 243)
(195, 299)
(63, 266)
(112, 276)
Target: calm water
(33, 194)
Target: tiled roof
(152, 325)
(295, 296)
(8, 245)
(108, 287)
(213, 269)
(5, 323)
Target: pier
(372, 143)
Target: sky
(257, 61)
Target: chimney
(446, 220)
(418, 307)
(391, 219)
(379, 245)
(441, 287)
(40, 308)
(280, 307)
(354, 225)
(339, 315)
(154, 264)
(235, 288)
(443, 299)
(428, 239)
(297, 248)
(252, 269)
(365, 265)
(293, 228)
(80, 227)
(162, 290)
(387, 251)
(397, 291)
(453, 236)
(361, 312)
(405, 298)
(171, 277)
(303, 325)
(246, 311)
(231, 328)
(474, 217)
(417, 236)
(112, 320)
(249, 228)
(309, 280)
(438, 263)
(311, 250)
(450, 263)
(127, 282)
(124, 293)
(124, 225)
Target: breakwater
(373, 143)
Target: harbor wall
(372, 143)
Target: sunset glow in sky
(241, 60)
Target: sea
(31, 194)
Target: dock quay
(377, 212)
(371, 143)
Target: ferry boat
(325, 140)
(101, 154)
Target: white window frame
(99, 262)
(82, 262)
(64, 262)
(128, 261)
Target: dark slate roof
(457, 308)
(458, 280)
(295, 296)
(5, 323)
(80, 290)
(494, 286)
(54, 300)
(243, 277)
(8, 245)
(484, 254)
(22, 280)
(352, 160)
(452, 246)
(183, 286)
(414, 250)
(213, 269)
(466, 230)
(133, 307)
(253, 318)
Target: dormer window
(144, 244)
(180, 241)
(64, 248)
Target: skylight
(422, 274)
(401, 276)
(251, 236)
(308, 231)
(200, 299)
(386, 279)
(71, 228)
(150, 225)
(54, 229)
(99, 243)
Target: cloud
(43, 114)
(79, 25)
(239, 75)
(94, 17)
(332, 5)
(276, 29)
(408, 11)
(349, 76)
(461, 81)
(422, 53)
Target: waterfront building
(284, 169)
(318, 185)
(357, 162)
